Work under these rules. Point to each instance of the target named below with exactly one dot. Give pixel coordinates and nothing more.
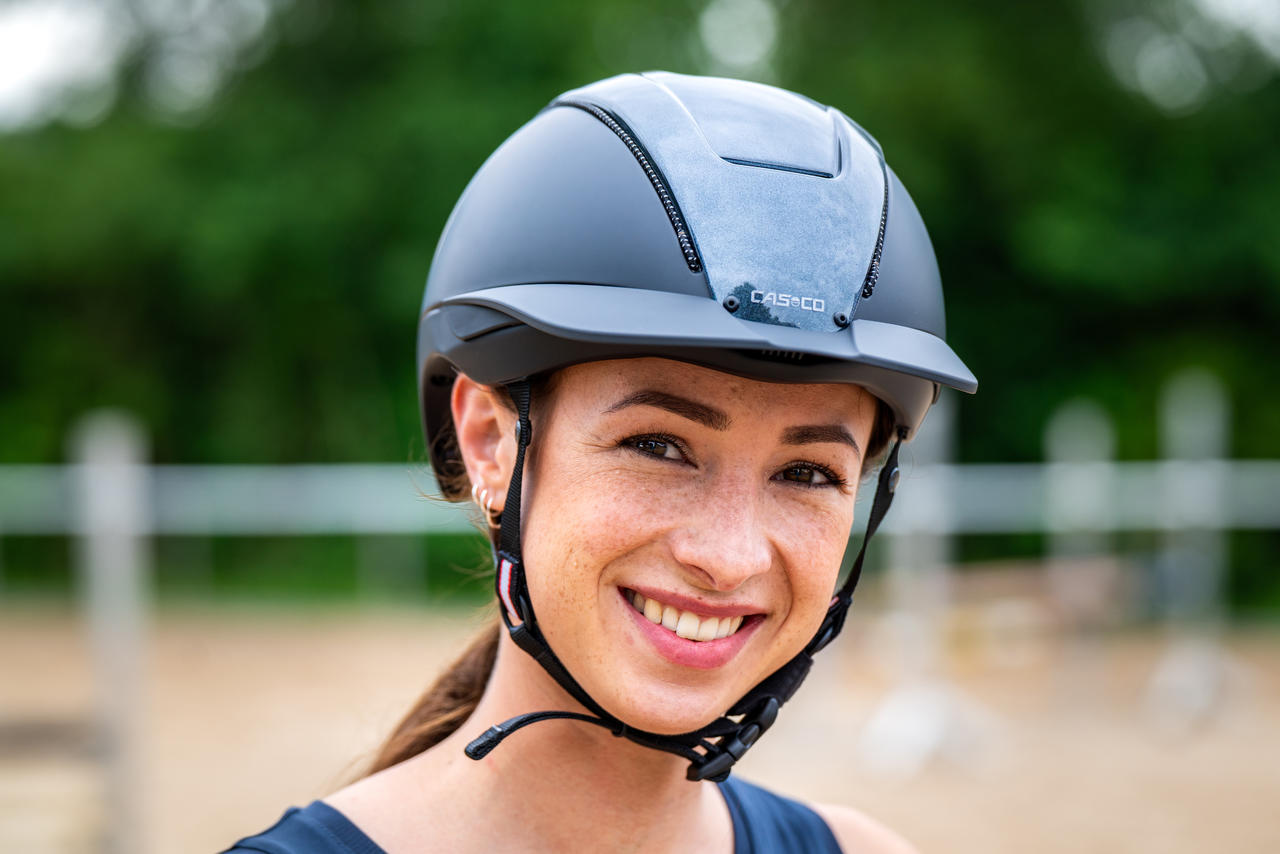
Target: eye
(808, 474)
(663, 447)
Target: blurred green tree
(245, 274)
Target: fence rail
(231, 500)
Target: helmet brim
(586, 322)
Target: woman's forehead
(601, 385)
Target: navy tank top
(763, 823)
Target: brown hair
(449, 702)
(444, 706)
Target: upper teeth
(685, 624)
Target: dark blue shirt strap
(318, 829)
(765, 822)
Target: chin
(670, 709)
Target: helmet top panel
(783, 198)
(753, 124)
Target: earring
(480, 495)
(493, 517)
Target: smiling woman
(700, 501)
(669, 468)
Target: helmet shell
(720, 222)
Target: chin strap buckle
(721, 757)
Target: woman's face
(684, 528)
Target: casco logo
(788, 301)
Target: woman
(670, 324)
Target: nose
(725, 541)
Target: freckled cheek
(812, 547)
(618, 512)
(582, 525)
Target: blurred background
(220, 583)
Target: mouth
(685, 624)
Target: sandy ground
(1043, 745)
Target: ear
(486, 435)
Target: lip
(698, 655)
(697, 606)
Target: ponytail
(444, 706)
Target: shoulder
(858, 832)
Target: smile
(684, 624)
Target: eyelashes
(802, 473)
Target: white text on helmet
(788, 300)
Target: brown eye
(655, 446)
(808, 475)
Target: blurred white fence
(230, 500)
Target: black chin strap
(713, 749)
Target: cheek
(814, 542)
(581, 520)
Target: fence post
(1190, 681)
(923, 716)
(111, 491)
(1079, 447)
(920, 548)
(1080, 487)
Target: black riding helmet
(724, 223)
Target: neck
(561, 781)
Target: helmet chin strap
(713, 749)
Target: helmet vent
(783, 356)
(655, 177)
(873, 271)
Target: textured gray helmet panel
(750, 122)
(793, 247)
(562, 200)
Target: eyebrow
(709, 416)
(813, 433)
(684, 407)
